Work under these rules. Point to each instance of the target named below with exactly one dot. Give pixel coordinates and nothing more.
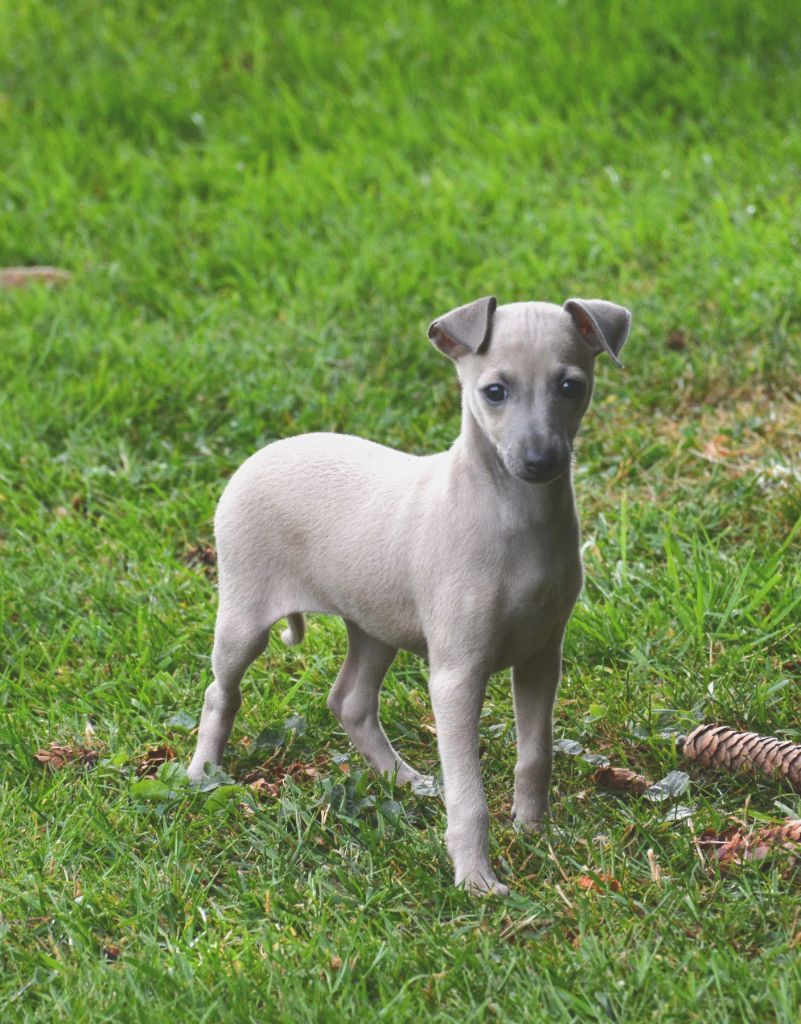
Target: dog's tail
(295, 629)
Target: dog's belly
(404, 635)
(392, 620)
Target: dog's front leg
(456, 698)
(534, 683)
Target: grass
(262, 207)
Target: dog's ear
(464, 329)
(604, 325)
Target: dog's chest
(535, 599)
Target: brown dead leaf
(676, 341)
(21, 277)
(621, 779)
(736, 845)
(150, 762)
(204, 555)
(715, 450)
(601, 883)
(653, 864)
(56, 756)
(265, 789)
(268, 779)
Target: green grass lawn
(262, 206)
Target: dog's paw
(484, 883)
(424, 785)
(421, 785)
(531, 827)
(529, 816)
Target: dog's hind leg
(354, 700)
(238, 640)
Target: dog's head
(527, 372)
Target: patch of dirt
(21, 277)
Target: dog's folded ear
(604, 325)
(464, 329)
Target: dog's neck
(473, 455)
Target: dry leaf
(56, 756)
(204, 555)
(736, 846)
(20, 277)
(656, 870)
(715, 451)
(151, 761)
(263, 788)
(601, 883)
(621, 779)
(267, 780)
(676, 341)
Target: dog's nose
(540, 462)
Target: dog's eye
(495, 393)
(571, 388)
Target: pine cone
(717, 746)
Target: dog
(469, 558)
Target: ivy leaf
(673, 785)
(597, 760)
(152, 789)
(572, 747)
(173, 774)
(182, 720)
(270, 738)
(391, 810)
(296, 723)
(678, 813)
(223, 795)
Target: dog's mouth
(542, 476)
(542, 465)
